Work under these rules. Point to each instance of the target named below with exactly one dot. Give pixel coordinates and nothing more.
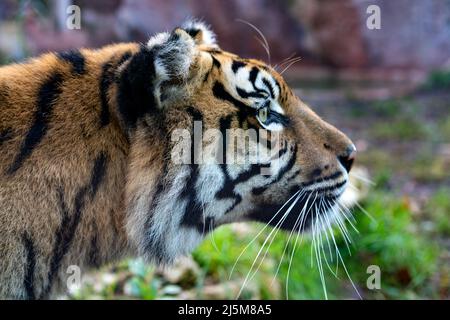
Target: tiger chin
(87, 170)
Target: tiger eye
(262, 114)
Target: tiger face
(292, 166)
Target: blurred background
(388, 89)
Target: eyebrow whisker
(263, 41)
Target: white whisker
(293, 250)
(263, 39)
(367, 213)
(364, 179)
(289, 65)
(302, 218)
(260, 232)
(262, 247)
(277, 228)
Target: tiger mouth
(332, 186)
(302, 209)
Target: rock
(242, 229)
(171, 290)
(414, 34)
(138, 19)
(185, 272)
(230, 290)
(333, 31)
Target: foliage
(391, 239)
(438, 79)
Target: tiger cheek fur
(87, 175)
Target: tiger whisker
(292, 55)
(343, 229)
(273, 238)
(288, 60)
(333, 238)
(316, 233)
(262, 247)
(329, 248)
(263, 39)
(326, 234)
(296, 59)
(325, 230)
(364, 179)
(344, 211)
(213, 240)
(346, 271)
(367, 213)
(293, 250)
(289, 65)
(302, 216)
(260, 232)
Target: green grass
(444, 129)
(438, 79)
(395, 241)
(403, 129)
(438, 210)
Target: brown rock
(333, 31)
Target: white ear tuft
(158, 39)
(201, 32)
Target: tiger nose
(348, 157)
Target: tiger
(89, 139)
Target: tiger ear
(173, 55)
(200, 32)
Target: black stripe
(224, 124)
(294, 175)
(269, 86)
(281, 173)
(47, 95)
(205, 78)
(330, 177)
(107, 77)
(193, 215)
(192, 32)
(94, 250)
(253, 75)
(70, 220)
(98, 173)
(280, 152)
(334, 187)
(136, 86)
(76, 59)
(220, 93)
(243, 110)
(228, 189)
(5, 135)
(244, 94)
(236, 65)
(28, 279)
(216, 63)
(153, 243)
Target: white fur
(209, 37)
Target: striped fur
(86, 175)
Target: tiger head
(224, 139)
